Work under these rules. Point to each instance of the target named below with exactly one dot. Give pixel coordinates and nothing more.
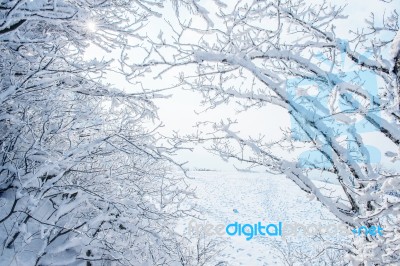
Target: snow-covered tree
(290, 54)
(82, 181)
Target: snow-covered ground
(228, 197)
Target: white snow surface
(226, 197)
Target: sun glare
(91, 26)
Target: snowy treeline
(81, 180)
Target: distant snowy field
(226, 197)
